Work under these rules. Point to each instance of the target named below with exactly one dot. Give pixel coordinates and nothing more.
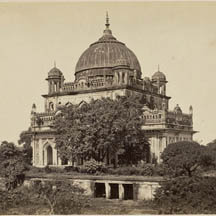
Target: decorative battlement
(42, 119)
(170, 119)
(94, 84)
(106, 82)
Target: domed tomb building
(108, 68)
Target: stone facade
(111, 188)
(109, 69)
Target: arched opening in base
(49, 155)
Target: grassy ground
(99, 206)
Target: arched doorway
(49, 155)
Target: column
(121, 191)
(45, 156)
(107, 190)
(33, 151)
(57, 86)
(53, 86)
(54, 156)
(40, 151)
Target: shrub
(123, 171)
(62, 197)
(159, 170)
(47, 169)
(71, 169)
(13, 173)
(93, 167)
(142, 170)
(146, 169)
(184, 195)
(20, 196)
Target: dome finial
(54, 63)
(158, 68)
(107, 20)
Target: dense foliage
(56, 197)
(184, 195)
(212, 145)
(12, 166)
(183, 158)
(25, 141)
(62, 197)
(102, 128)
(93, 167)
(187, 191)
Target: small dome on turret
(54, 72)
(159, 75)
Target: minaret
(33, 113)
(191, 110)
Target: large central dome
(107, 53)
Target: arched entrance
(49, 155)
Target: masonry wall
(141, 190)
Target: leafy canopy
(12, 166)
(100, 128)
(183, 157)
(25, 141)
(184, 195)
(62, 197)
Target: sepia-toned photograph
(107, 108)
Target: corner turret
(55, 80)
(159, 80)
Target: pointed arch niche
(50, 154)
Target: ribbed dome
(54, 72)
(107, 52)
(159, 75)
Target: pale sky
(179, 36)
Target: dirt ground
(115, 206)
(99, 206)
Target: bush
(71, 169)
(15, 198)
(13, 170)
(141, 169)
(62, 197)
(184, 195)
(159, 170)
(93, 167)
(47, 169)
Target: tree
(102, 128)
(212, 145)
(62, 197)
(8, 151)
(183, 157)
(12, 166)
(184, 195)
(25, 141)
